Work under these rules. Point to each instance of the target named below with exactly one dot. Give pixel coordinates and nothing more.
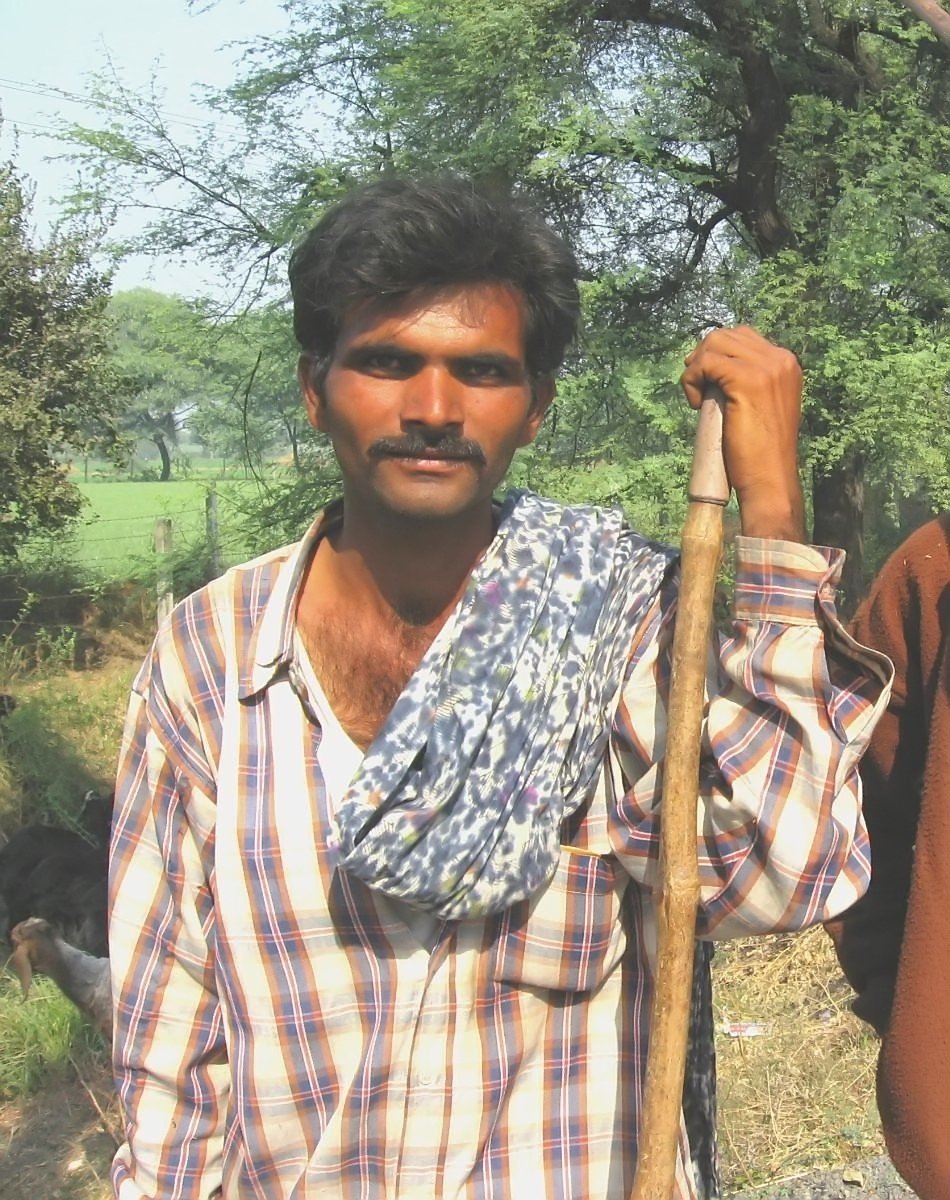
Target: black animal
(70, 891)
(60, 875)
(95, 817)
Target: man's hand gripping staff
(761, 385)
(749, 395)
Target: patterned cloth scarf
(500, 733)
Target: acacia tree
(259, 412)
(934, 14)
(165, 350)
(57, 392)
(783, 162)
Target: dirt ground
(58, 1144)
(874, 1179)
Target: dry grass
(802, 1095)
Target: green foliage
(57, 391)
(258, 414)
(864, 295)
(617, 435)
(228, 381)
(45, 767)
(784, 163)
(282, 506)
(62, 737)
(164, 350)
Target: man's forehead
(475, 305)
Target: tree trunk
(838, 496)
(934, 14)
(166, 458)
(291, 428)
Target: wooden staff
(679, 871)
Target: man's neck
(409, 570)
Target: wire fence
(115, 546)
(155, 556)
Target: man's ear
(311, 392)
(542, 394)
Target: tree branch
(642, 12)
(934, 14)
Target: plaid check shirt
(282, 1031)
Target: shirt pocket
(569, 935)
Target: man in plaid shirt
(386, 826)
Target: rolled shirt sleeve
(791, 703)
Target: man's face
(425, 401)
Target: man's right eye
(388, 364)
(383, 362)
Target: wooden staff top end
(708, 483)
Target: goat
(95, 816)
(71, 892)
(60, 875)
(82, 978)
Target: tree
(934, 14)
(165, 350)
(260, 413)
(57, 392)
(782, 162)
(230, 379)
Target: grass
(117, 528)
(801, 1096)
(40, 1036)
(114, 536)
(62, 738)
(103, 572)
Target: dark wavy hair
(399, 235)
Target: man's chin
(430, 502)
(433, 513)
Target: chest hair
(363, 667)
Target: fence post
(163, 551)
(212, 535)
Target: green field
(115, 533)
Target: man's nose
(433, 397)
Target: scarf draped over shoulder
(501, 731)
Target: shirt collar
(272, 642)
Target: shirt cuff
(785, 581)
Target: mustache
(414, 445)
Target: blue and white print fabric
(500, 733)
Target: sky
(50, 48)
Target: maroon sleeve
(868, 936)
